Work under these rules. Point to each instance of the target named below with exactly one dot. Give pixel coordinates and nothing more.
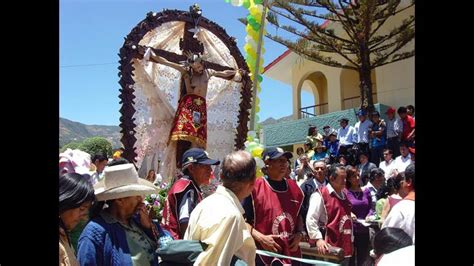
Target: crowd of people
(356, 197)
(368, 136)
(376, 158)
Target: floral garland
(156, 202)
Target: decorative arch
(318, 84)
(129, 54)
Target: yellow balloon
(256, 12)
(252, 11)
(254, 35)
(248, 28)
(252, 53)
(247, 48)
(257, 152)
(252, 69)
(250, 60)
(257, 109)
(251, 32)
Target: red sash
(339, 226)
(276, 213)
(170, 211)
(190, 121)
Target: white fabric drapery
(157, 91)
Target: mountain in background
(74, 131)
(272, 120)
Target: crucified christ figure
(189, 127)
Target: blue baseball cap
(197, 155)
(275, 153)
(361, 112)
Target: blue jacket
(103, 243)
(332, 147)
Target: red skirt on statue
(190, 121)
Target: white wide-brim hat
(122, 181)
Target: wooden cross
(186, 44)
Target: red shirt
(339, 223)
(276, 213)
(408, 126)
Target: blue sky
(92, 32)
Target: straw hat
(122, 181)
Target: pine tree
(358, 45)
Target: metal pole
(257, 67)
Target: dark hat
(362, 153)
(197, 155)
(275, 153)
(375, 113)
(361, 112)
(326, 126)
(344, 119)
(341, 156)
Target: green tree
(71, 145)
(358, 45)
(95, 145)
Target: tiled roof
(295, 131)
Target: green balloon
(258, 2)
(246, 3)
(227, 1)
(249, 17)
(259, 78)
(252, 145)
(255, 26)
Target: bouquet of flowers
(156, 202)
